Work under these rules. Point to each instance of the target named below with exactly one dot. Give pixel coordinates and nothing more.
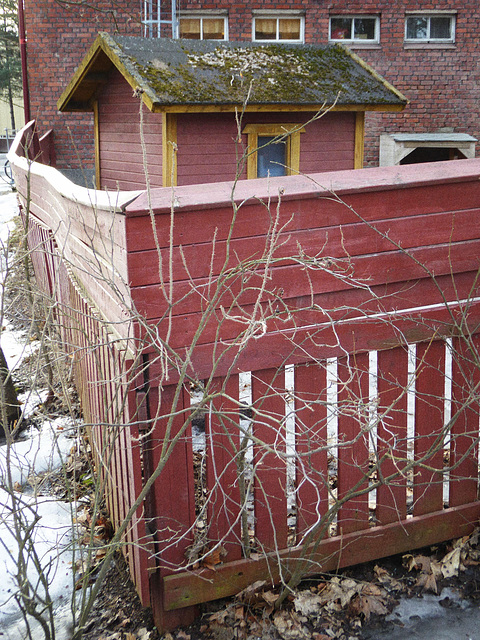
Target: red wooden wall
(207, 148)
(207, 142)
(120, 148)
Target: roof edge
(374, 73)
(105, 43)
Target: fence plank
(268, 389)
(223, 443)
(311, 444)
(428, 442)
(392, 381)
(353, 422)
(463, 485)
(331, 554)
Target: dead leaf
(451, 564)
(214, 557)
(250, 593)
(308, 603)
(427, 581)
(219, 616)
(364, 604)
(288, 627)
(269, 597)
(389, 582)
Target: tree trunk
(10, 411)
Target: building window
(361, 29)
(203, 27)
(430, 28)
(273, 149)
(278, 28)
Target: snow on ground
(40, 450)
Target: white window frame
(277, 15)
(353, 40)
(202, 17)
(429, 15)
(151, 18)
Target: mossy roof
(197, 73)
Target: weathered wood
(223, 462)
(353, 441)
(463, 474)
(311, 444)
(391, 449)
(184, 589)
(429, 429)
(268, 390)
(394, 230)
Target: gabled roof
(178, 74)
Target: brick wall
(58, 36)
(442, 82)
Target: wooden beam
(96, 134)
(193, 587)
(157, 107)
(169, 149)
(359, 139)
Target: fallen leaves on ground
(462, 552)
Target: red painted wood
(311, 444)
(463, 485)
(222, 453)
(429, 413)
(118, 114)
(391, 451)
(372, 194)
(351, 240)
(174, 491)
(294, 281)
(327, 340)
(331, 554)
(268, 390)
(353, 436)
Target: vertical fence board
(311, 444)
(392, 381)
(174, 491)
(463, 486)
(353, 401)
(223, 442)
(174, 498)
(429, 414)
(268, 391)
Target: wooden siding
(207, 147)
(120, 148)
(426, 222)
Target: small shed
(190, 112)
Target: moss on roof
(190, 72)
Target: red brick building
(427, 50)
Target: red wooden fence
(356, 389)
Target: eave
(93, 73)
(106, 54)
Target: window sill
(357, 45)
(429, 45)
